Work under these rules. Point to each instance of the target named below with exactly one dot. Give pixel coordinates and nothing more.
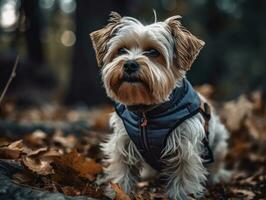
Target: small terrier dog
(162, 127)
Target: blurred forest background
(58, 62)
(51, 127)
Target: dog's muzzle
(130, 67)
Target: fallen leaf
(50, 153)
(23, 178)
(248, 195)
(65, 175)
(256, 126)
(235, 112)
(12, 151)
(36, 139)
(206, 90)
(71, 191)
(41, 167)
(4, 142)
(7, 153)
(68, 141)
(37, 152)
(93, 190)
(16, 145)
(86, 168)
(120, 194)
(257, 99)
(100, 119)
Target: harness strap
(206, 113)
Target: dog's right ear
(102, 36)
(187, 45)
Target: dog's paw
(222, 175)
(109, 192)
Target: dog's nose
(131, 66)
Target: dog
(162, 126)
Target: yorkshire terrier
(162, 126)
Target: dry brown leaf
(37, 152)
(85, 190)
(85, 167)
(36, 139)
(93, 191)
(12, 151)
(7, 153)
(206, 90)
(235, 112)
(41, 167)
(240, 148)
(139, 197)
(143, 184)
(65, 175)
(23, 178)
(18, 145)
(71, 191)
(100, 120)
(120, 194)
(68, 141)
(51, 153)
(4, 142)
(257, 99)
(248, 195)
(256, 126)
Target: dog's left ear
(102, 36)
(187, 46)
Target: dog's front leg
(185, 172)
(185, 176)
(121, 173)
(122, 156)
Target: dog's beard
(152, 84)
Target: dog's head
(142, 64)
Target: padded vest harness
(149, 130)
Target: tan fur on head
(157, 76)
(101, 37)
(187, 45)
(149, 90)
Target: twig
(12, 76)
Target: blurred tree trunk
(33, 31)
(85, 85)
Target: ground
(53, 152)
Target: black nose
(131, 66)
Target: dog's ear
(102, 36)
(187, 46)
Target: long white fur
(185, 170)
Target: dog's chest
(149, 130)
(150, 135)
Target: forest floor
(57, 150)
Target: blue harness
(149, 130)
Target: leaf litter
(72, 164)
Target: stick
(12, 76)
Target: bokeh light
(46, 4)
(8, 14)
(68, 38)
(67, 6)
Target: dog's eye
(152, 53)
(122, 51)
